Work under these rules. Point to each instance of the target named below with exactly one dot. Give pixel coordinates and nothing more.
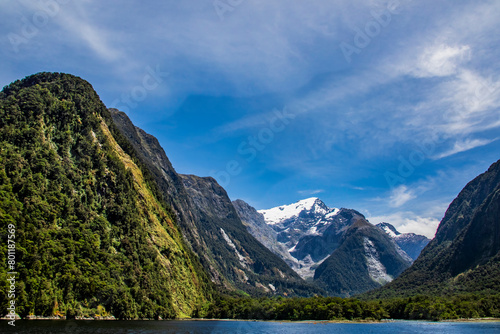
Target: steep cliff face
(172, 189)
(308, 230)
(256, 225)
(210, 224)
(93, 235)
(326, 239)
(247, 263)
(464, 256)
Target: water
(254, 327)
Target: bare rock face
(367, 258)
(256, 225)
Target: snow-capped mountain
(292, 222)
(283, 228)
(389, 229)
(343, 252)
(305, 207)
(411, 243)
(309, 230)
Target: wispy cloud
(310, 192)
(91, 33)
(431, 72)
(465, 145)
(440, 60)
(401, 195)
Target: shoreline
(360, 321)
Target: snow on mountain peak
(280, 213)
(389, 229)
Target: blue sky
(387, 107)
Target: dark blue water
(226, 327)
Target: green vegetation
(335, 308)
(93, 235)
(483, 280)
(456, 276)
(203, 208)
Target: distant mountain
(233, 258)
(318, 242)
(300, 228)
(292, 222)
(464, 256)
(366, 259)
(411, 243)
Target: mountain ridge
(466, 247)
(208, 220)
(256, 268)
(366, 258)
(92, 231)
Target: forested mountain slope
(464, 257)
(208, 220)
(93, 235)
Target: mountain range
(232, 257)
(105, 225)
(320, 244)
(260, 247)
(411, 243)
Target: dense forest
(419, 307)
(93, 235)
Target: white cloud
(475, 92)
(461, 106)
(465, 102)
(400, 195)
(96, 37)
(422, 215)
(441, 60)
